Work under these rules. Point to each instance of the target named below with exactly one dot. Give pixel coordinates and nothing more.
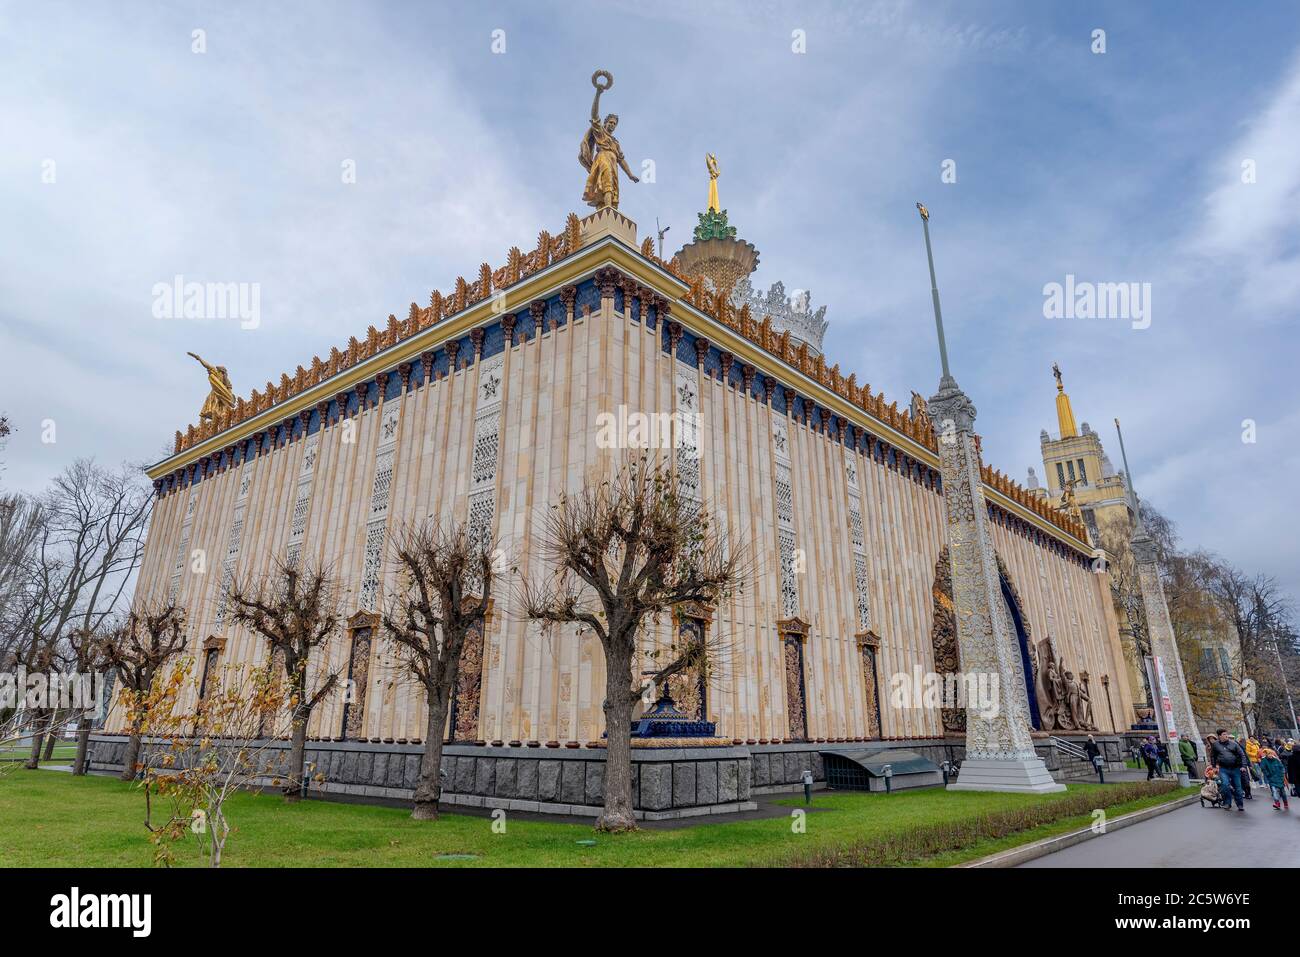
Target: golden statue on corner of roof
(599, 152)
(221, 398)
(1069, 504)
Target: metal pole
(934, 294)
(1128, 475)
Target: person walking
(1245, 767)
(1187, 751)
(1291, 757)
(1209, 752)
(1150, 754)
(1252, 757)
(1165, 767)
(1230, 759)
(1274, 775)
(1092, 751)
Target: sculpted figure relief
(1064, 701)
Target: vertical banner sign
(1166, 705)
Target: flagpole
(947, 379)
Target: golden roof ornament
(599, 152)
(716, 257)
(221, 395)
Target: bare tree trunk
(132, 755)
(619, 699)
(83, 744)
(429, 789)
(297, 758)
(52, 738)
(39, 728)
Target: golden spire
(1064, 414)
(711, 162)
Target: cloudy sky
(129, 158)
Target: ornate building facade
(483, 407)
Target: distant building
(1077, 467)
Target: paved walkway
(1194, 836)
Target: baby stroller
(1211, 794)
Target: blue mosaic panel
(713, 362)
(494, 340)
(778, 399)
(737, 375)
(465, 352)
(554, 313)
(524, 326)
(441, 363)
(588, 295)
(393, 385)
(686, 348)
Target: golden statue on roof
(221, 398)
(599, 152)
(711, 162)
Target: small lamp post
(888, 771)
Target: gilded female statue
(221, 398)
(600, 154)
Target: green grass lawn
(49, 818)
(64, 753)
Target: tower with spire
(1075, 461)
(724, 263)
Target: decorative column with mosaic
(1160, 632)
(1170, 695)
(1000, 753)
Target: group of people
(1156, 755)
(1233, 767)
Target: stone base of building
(1027, 775)
(667, 782)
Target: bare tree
(21, 520)
(1262, 617)
(67, 564)
(138, 649)
(296, 610)
(37, 655)
(626, 551)
(446, 576)
(88, 654)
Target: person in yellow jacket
(1252, 757)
